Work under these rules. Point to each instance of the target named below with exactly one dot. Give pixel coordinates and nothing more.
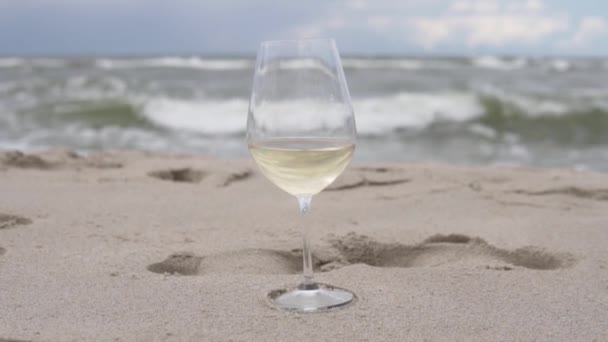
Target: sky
(361, 27)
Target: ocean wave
(456, 125)
(412, 63)
(551, 111)
(368, 63)
(560, 65)
(375, 115)
(176, 62)
(82, 138)
(413, 110)
(299, 64)
(492, 62)
(583, 126)
(486, 115)
(11, 62)
(202, 116)
(532, 105)
(49, 62)
(112, 113)
(403, 63)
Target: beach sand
(134, 246)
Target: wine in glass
(301, 133)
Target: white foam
(48, 62)
(374, 115)
(560, 65)
(87, 88)
(203, 116)
(14, 145)
(413, 110)
(491, 62)
(11, 62)
(483, 131)
(9, 121)
(305, 114)
(519, 152)
(307, 63)
(176, 62)
(364, 63)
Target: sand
(132, 246)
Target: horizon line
(253, 56)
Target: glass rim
(297, 41)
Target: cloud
(434, 25)
(353, 15)
(493, 6)
(487, 29)
(590, 28)
(489, 23)
(379, 23)
(360, 26)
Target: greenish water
(487, 110)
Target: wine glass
(301, 133)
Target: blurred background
(518, 82)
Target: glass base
(311, 297)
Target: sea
(487, 110)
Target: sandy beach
(134, 246)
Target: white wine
(302, 166)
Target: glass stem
(304, 202)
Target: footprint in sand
(249, 261)
(186, 175)
(24, 161)
(591, 194)
(54, 159)
(231, 177)
(191, 175)
(367, 176)
(2, 251)
(439, 250)
(8, 221)
(435, 251)
(179, 263)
